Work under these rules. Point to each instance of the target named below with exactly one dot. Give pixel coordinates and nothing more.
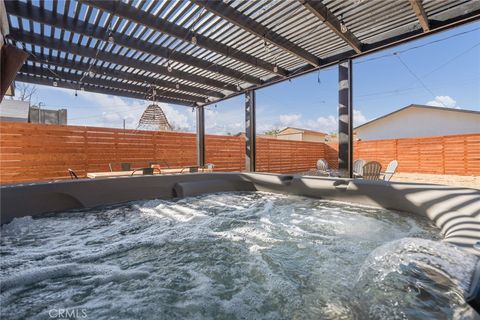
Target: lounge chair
(358, 168)
(322, 169)
(371, 170)
(322, 166)
(162, 163)
(156, 167)
(209, 167)
(390, 171)
(145, 171)
(191, 169)
(72, 173)
(126, 166)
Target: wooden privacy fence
(35, 152)
(455, 154)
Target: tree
(272, 132)
(25, 91)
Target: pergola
(196, 52)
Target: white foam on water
(229, 255)
(434, 277)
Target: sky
(441, 70)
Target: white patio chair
(322, 165)
(358, 168)
(322, 169)
(209, 167)
(390, 171)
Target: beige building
(420, 121)
(265, 136)
(298, 134)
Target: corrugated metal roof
(199, 52)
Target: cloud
(222, 120)
(358, 118)
(443, 101)
(182, 120)
(115, 109)
(329, 124)
(324, 124)
(288, 120)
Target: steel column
(200, 136)
(250, 133)
(345, 119)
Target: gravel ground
(450, 180)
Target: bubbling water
(232, 255)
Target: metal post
(40, 112)
(345, 117)
(200, 136)
(250, 134)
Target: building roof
(300, 130)
(198, 52)
(417, 106)
(268, 136)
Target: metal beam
(71, 77)
(440, 22)
(131, 13)
(200, 136)
(122, 75)
(60, 45)
(90, 88)
(250, 131)
(345, 119)
(67, 23)
(421, 14)
(456, 16)
(250, 25)
(328, 18)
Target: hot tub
(237, 245)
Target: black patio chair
(145, 171)
(192, 169)
(72, 173)
(126, 166)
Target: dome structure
(154, 119)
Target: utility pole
(39, 111)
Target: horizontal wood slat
(34, 152)
(453, 155)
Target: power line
(452, 59)
(105, 113)
(417, 46)
(417, 77)
(398, 91)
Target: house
(265, 136)
(20, 111)
(420, 121)
(47, 116)
(298, 134)
(14, 111)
